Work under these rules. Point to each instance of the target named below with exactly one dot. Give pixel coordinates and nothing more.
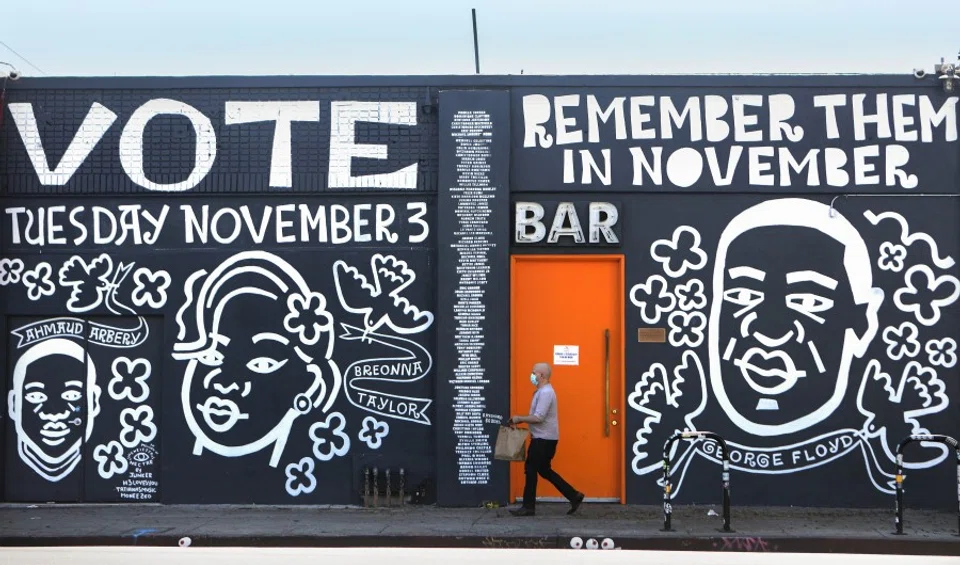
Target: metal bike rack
(667, 487)
(939, 438)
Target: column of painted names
(472, 132)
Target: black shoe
(523, 512)
(575, 503)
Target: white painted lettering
(359, 222)
(669, 116)
(14, 214)
(131, 144)
(638, 117)
(316, 222)
(741, 120)
(285, 224)
(901, 121)
(829, 103)
(862, 169)
(782, 108)
(54, 227)
(809, 162)
(536, 112)
(897, 156)
(98, 120)
(385, 217)
(758, 174)
(339, 227)
(218, 227)
(594, 112)
(343, 147)
(78, 224)
(641, 164)
(192, 225)
(715, 107)
(284, 114)
(129, 224)
(565, 137)
(861, 118)
(930, 119)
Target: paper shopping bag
(510, 444)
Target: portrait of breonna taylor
(254, 337)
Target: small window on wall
(83, 402)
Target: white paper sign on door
(566, 354)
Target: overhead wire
(22, 57)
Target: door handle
(606, 382)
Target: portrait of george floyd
(793, 305)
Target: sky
(414, 37)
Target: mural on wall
(81, 394)
(255, 336)
(381, 303)
(251, 335)
(235, 367)
(810, 336)
(81, 386)
(799, 358)
(305, 351)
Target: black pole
(725, 476)
(726, 485)
(725, 458)
(939, 438)
(667, 508)
(476, 46)
(899, 480)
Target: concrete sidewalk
(630, 527)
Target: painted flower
(150, 287)
(10, 270)
(329, 438)
(136, 426)
(37, 281)
(679, 253)
(110, 459)
(129, 379)
(892, 256)
(942, 352)
(901, 341)
(686, 328)
(372, 432)
(932, 294)
(308, 317)
(300, 478)
(690, 295)
(652, 298)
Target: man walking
(544, 435)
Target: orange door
(567, 310)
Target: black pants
(539, 454)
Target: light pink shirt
(544, 405)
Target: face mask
(533, 379)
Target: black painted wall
(474, 339)
(328, 245)
(810, 313)
(260, 337)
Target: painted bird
(379, 299)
